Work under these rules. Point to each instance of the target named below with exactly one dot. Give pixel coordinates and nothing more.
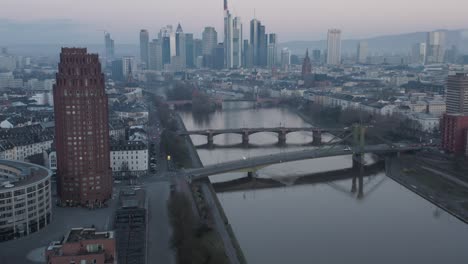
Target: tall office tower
(128, 67)
(272, 50)
(306, 66)
(167, 36)
(218, 60)
(285, 59)
(180, 47)
(228, 37)
(144, 47)
(237, 43)
(457, 94)
(451, 55)
(155, 55)
(197, 49)
(435, 47)
(81, 130)
(254, 41)
(263, 46)
(334, 47)
(362, 52)
(210, 41)
(247, 54)
(189, 50)
(316, 56)
(117, 70)
(109, 44)
(418, 53)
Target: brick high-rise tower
(81, 130)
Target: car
(347, 148)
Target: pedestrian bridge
(262, 161)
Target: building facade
(25, 199)
(144, 47)
(334, 47)
(362, 52)
(457, 93)
(454, 129)
(81, 130)
(435, 47)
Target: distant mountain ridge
(398, 44)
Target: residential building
(129, 158)
(25, 199)
(83, 245)
(334, 47)
(457, 93)
(81, 130)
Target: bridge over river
(263, 161)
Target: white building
(334, 47)
(129, 158)
(435, 47)
(285, 59)
(25, 199)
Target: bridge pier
(210, 140)
(245, 138)
(282, 138)
(252, 174)
(317, 137)
(358, 161)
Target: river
(326, 222)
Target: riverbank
(430, 185)
(417, 176)
(231, 244)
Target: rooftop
(80, 234)
(15, 174)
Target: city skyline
(359, 19)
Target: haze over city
(49, 21)
(233, 132)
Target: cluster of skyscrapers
(432, 51)
(175, 50)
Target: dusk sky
(292, 19)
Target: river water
(325, 222)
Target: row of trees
(392, 127)
(191, 239)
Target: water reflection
(329, 222)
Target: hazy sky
(291, 19)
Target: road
(260, 161)
(157, 186)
